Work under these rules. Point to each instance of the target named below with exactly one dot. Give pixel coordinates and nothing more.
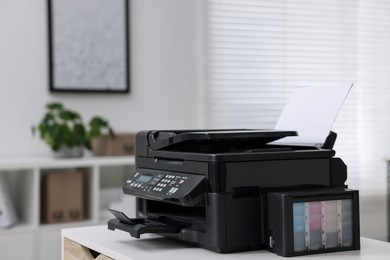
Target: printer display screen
(144, 178)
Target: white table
(120, 245)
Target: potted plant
(102, 140)
(63, 130)
(98, 126)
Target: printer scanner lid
(161, 140)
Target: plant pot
(69, 152)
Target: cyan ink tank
(313, 221)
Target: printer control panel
(173, 187)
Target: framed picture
(89, 46)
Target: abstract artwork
(89, 46)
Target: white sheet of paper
(311, 111)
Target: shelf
(18, 228)
(47, 162)
(103, 179)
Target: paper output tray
(138, 226)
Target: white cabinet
(49, 244)
(103, 179)
(18, 245)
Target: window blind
(259, 50)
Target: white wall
(163, 73)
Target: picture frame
(89, 46)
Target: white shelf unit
(31, 239)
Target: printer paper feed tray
(139, 226)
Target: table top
(121, 246)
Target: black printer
(233, 190)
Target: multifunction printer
(235, 190)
